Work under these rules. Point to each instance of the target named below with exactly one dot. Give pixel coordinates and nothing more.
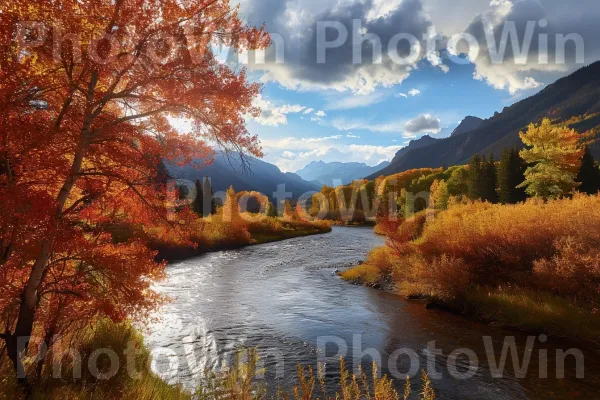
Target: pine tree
(489, 180)
(510, 176)
(458, 183)
(505, 173)
(475, 182)
(198, 205)
(589, 174)
(518, 168)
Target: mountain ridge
(574, 95)
(257, 175)
(327, 173)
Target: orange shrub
(552, 246)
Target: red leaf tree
(88, 95)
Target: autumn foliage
(84, 123)
(537, 252)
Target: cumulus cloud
(320, 113)
(523, 68)
(274, 116)
(294, 25)
(424, 123)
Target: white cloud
(272, 115)
(356, 101)
(351, 136)
(291, 109)
(308, 111)
(343, 124)
(320, 113)
(321, 139)
(411, 93)
(291, 154)
(515, 72)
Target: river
(285, 300)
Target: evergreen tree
(458, 183)
(489, 180)
(519, 166)
(475, 183)
(505, 189)
(198, 205)
(209, 203)
(589, 174)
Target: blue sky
(367, 112)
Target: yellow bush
(550, 246)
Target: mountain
(573, 96)
(325, 173)
(260, 176)
(423, 141)
(467, 125)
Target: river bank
(532, 266)
(531, 313)
(290, 230)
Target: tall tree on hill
(510, 175)
(490, 180)
(554, 155)
(589, 174)
(209, 198)
(458, 183)
(475, 182)
(198, 205)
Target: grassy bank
(254, 229)
(534, 266)
(237, 382)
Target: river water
(285, 300)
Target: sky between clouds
(340, 111)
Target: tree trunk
(29, 296)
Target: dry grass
(236, 382)
(534, 265)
